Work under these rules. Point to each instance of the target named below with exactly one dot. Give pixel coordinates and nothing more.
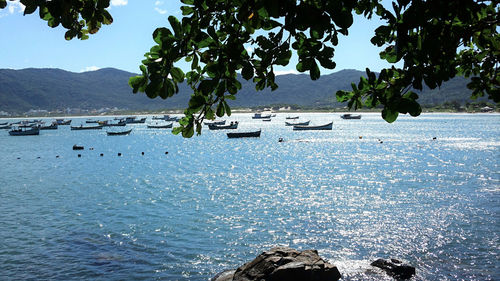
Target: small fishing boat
(31, 131)
(160, 126)
(3, 123)
(5, 127)
(90, 121)
(110, 133)
(232, 125)
(134, 120)
(350, 116)
(291, 117)
(221, 122)
(63, 122)
(320, 127)
(81, 127)
(305, 123)
(255, 134)
(118, 124)
(78, 147)
(266, 120)
(261, 116)
(52, 126)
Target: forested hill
(50, 89)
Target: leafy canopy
(433, 40)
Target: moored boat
(25, 131)
(232, 125)
(160, 126)
(350, 116)
(261, 116)
(291, 117)
(305, 123)
(221, 122)
(111, 133)
(255, 134)
(134, 120)
(78, 147)
(320, 127)
(52, 126)
(81, 127)
(63, 122)
(5, 127)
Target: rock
(395, 268)
(283, 263)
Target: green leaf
(227, 108)
(29, 9)
(220, 109)
(314, 72)
(247, 72)
(177, 74)
(188, 131)
(177, 130)
(176, 25)
(3, 4)
(389, 114)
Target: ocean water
(214, 203)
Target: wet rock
(395, 268)
(283, 263)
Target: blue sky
(29, 42)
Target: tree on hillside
(434, 40)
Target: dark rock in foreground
(395, 268)
(283, 263)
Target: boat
(119, 124)
(77, 147)
(221, 122)
(350, 116)
(31, 131)
(266, 120)
(92, 121)
(52, 126)
(305, 123)
(232, 125)
(255, 134)
(5, 127)
(291, 117)
(261, 116)
(3, 123)
(110, 133)
(161, 126)
(320, 127)
(81, 127)
(63, 122)
(134, 120)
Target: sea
(155, 206)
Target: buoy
(166, 152)
(38, 157)
(18, 157)
(360, 137)
(280, 140)
(57, 156)
(101, 154)
(142, 153)
(119, 154)
(79, 155)
(91, 148)
(434, 138)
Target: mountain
(51, 89)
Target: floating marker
(142, 153)
(57, 156)
(166, 152)
(101, 154)
(434, 138)
(119, 154)
(38, 157)
(79, 155)
(360, 137)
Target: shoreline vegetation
(477, 107)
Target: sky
(30, 43)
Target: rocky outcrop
(283, 263)
(395, 268)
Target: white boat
(305, 123)
(350, 116)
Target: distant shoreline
(237, 111)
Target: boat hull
(328, 126)
(244, 135)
